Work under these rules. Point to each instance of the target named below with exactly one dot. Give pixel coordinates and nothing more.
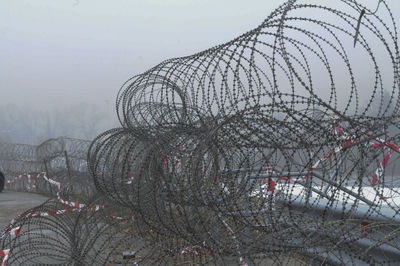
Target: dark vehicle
(2, 181)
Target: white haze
(70, 57)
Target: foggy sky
(64, 52)
(57, 53)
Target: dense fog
(63, 62)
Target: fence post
(68, 167)
(48, 175)
(247, 229)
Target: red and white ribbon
(230, 231)
(197, 250)
(381, 168)
(384, 142)
(76, 207)
(28, 177)
(13, 231)
(68, 203)
(51, 181)
(4, 253)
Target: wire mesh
(277, 147)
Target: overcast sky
(62, 52)
(56, 53)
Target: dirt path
(14, 203)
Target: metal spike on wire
(362, 13)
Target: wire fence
(277, 147)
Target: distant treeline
(25, 124)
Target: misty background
(63, 62)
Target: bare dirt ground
(14, 203)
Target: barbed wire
(279, 146)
